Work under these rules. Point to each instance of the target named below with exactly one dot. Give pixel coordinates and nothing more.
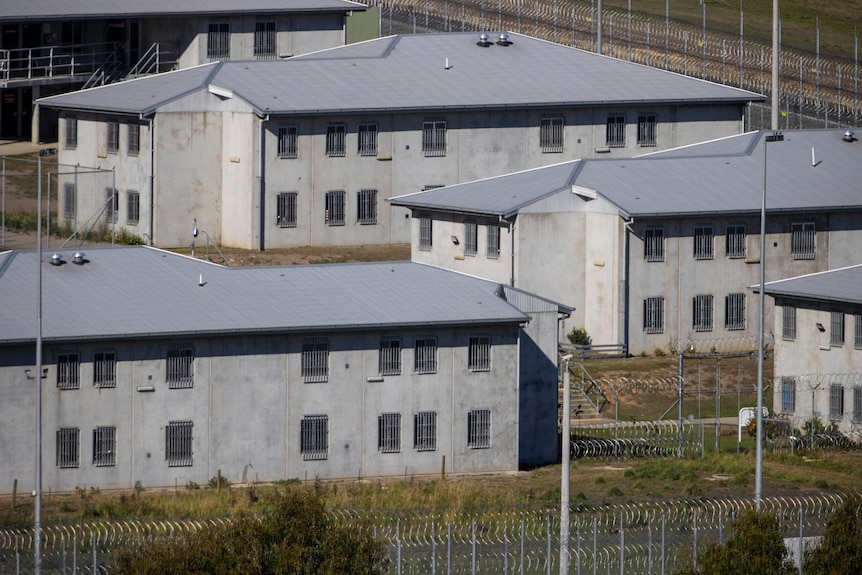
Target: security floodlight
(567, 357)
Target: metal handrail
(54, 61)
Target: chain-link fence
(642, 537)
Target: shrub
(658, 352)
(579, 336)
(218, 481)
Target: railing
(601, 350)
(160, 57)
(54, 61)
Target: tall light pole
(758, 474)
(37, 491)
(564, 479)
(776, 66)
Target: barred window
(179, 444)
(702, 313)
(493, 241)
(857, 331)
(336, 144)
(734, 311)
(389, 360)
(615, 132)
(551, 134)
(68, 450)
(105, 368)
(654, 315)
(104, 446)
(68, 370)
(389, 433)
(788, 322)
(425, 238)
(112, 205)
(133, 207)
(479, 353)
(704, 246)
(836, 331)
(836, 401)
(265, 40)
(857, 404)
(434, 137)
(654, 243)
(366, 208)
(315, 359)
(113, 136)
(734, 246)
(425, 355)
(802, 240)
(788, 394)
(425, 431)
(471, 241)
(133, 139)
(479, 429)
(367, 136)
(180, 363)
(71, 139)
(218, 41)
(287, 141)
(314, 437)
(334, 215)
(70, 199)
(285, 216)
(646, 130)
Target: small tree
(840, 551)
(579, 336)
(755, 546)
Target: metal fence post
(663, 519)
(505, 548)
(548, 553)
(649, 545)
(398, 547)
(522, 547)
(473, 554)
(449, 549)
(595, 556)
(433, 551)
(622, 545)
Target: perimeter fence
(815, 91)
(611, 536)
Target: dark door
(116, 34)
(9, 114)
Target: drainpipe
(627, 231)
(511, 253)
(262, 187)
(152, 179)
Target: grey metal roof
(841, 285)
(409, 73)
(721, 177)
(22, 10)
(145, 292)
(498, 196)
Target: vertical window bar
(788, 322)
(218, 41)
(836, 332)
(734, 311)
(70, 201)
(367, 207)
(179, 444)
(479, 353)
(314, 437)
(654, 315)
(788, 394)
(703, 242)
(334, 214)
(133, 207)
(836, 401)
(68, 370)
(315, 360)
(493, 247)
(68, 451)
(857, 331)
(425, 355)
(287, 141)
(389, 361)
(389, 433)
(180, 366)
(71, 132)
(551, 134)
(113, 137)
(702, 313)
(367, 139)
(105, 368)
(265, 40)
(647, 130)
(335, 140)
(471, 241)
(735, 241)
(104, 446)
(134, 139)
(425, 431)
(654, 244)
(434, 137)
(425, 237)
(286, 210)
(857, 404)
(802, 240)
(615, 133)
(479, 429)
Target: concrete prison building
(305, 151)
(818, 348)
(49, 47)
(160, 368)
(657, 247)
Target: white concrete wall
(246, 405)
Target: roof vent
(56, 260)
(503, 39)
(849, 136)
(78, 258)
(484, 40)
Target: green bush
(213, 483)
(841, 548)
(294, 535)
(579, 336)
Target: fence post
(622, 545)
(578, 535)
(506, 548)
(595, 556)
(449, 549)
(663, 519)
(398, 547)
(63, 543)
(433, 551)
(801, 548)
(473, 549)
(548, 554)
(75, 556)
(649, 545)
